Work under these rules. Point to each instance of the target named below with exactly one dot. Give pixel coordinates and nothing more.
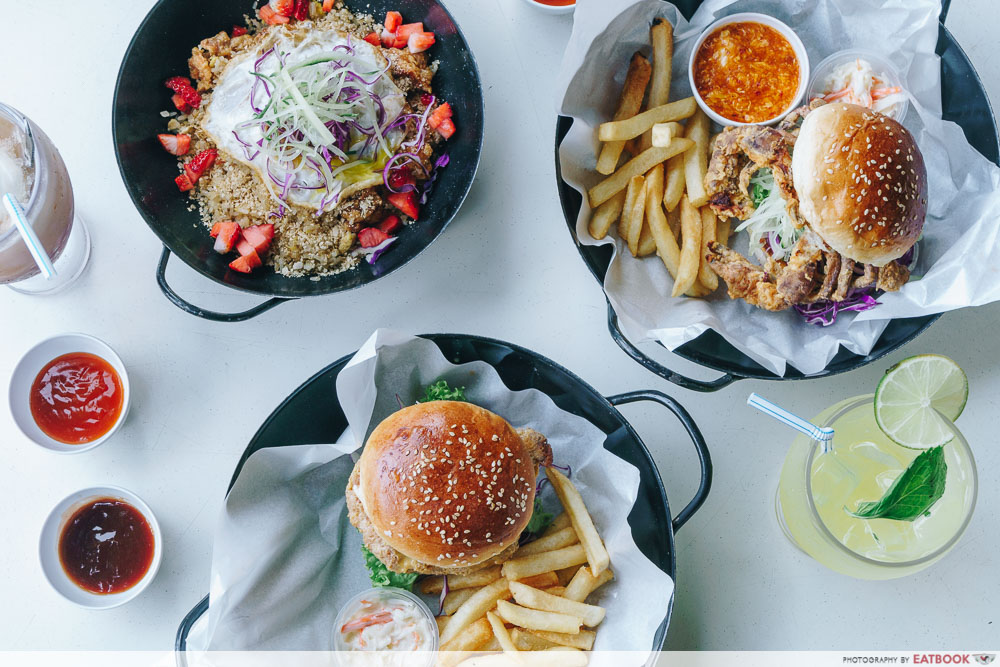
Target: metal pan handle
(161, 279)
(945, 6)
(704, 458)
(680, 380)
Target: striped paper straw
(823, 435)
(30, 238)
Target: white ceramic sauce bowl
(34, 360)
(771, 22)
(48, 548)
(552, 9)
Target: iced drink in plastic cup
(32, 171)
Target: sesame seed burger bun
(861, 182)
(447, 484)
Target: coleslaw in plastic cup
(861, 77)
(392, 623)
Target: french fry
(687, 273)
(533, 619)
(723, 229)
(475, 608)
(606, 215)
(597, 556)
(442, 621)
(662, 37)
(584, 583)
(632, 214)
(647, 244)
(637, 166)
(639, 71)
(558, 540)
(476, 579)
(457, 598)
(471, 638)
(674, 220)
(656, 220)
(675, 183)
(532, 598)
(558, 523)
(583, 640)
(525, 641)
(696, 159)
(521, 568)
(706, 276)
(565, 575)
(555, 590)
(542, 580)
(618, 130)
(500, 632)
(663, 133)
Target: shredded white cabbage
(770, 222)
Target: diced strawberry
(393, 20)
(226, 234)
(301, 10)
(403, 33)
(283, 7)
(182, 87)
(245, 248)
(260, 237)
(446, 128)
(421, 41)
(191, 96)
(246, 263)
(238, 30)
(177, 83)
(369, 237)
(328, 5)
(179, 103)
(183, 183)
(271, 17)
(400, 177)
(200, 163)
(438, 115)
(388, 39)
(405, 202)
(391, 224)
(373, 39)
(426, 99)
(175, 144)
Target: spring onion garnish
(318, 118)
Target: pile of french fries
(537, 600)
(657, 198)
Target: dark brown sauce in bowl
(106, 546)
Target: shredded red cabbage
(444, 593)
(824, 313)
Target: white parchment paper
(286, 558)
(959, 253)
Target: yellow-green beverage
(818, 490)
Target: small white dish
(48, 548)
(34, 360)
(552, 9)
(771, 22)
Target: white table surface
(505, 268)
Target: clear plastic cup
(34, 173)
(882, 65)
(348, 655)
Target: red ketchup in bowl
(76, 398)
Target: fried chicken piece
(744, 150)
(868, 278)
(892, 277)
(844, 280)
(744, 279)
(797, 281)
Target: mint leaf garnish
(382, 576)
(440, 391)
(913, 493)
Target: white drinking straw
(824, 435)
(30, 238)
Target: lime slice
(913, 392)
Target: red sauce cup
(36, 359)
(49, 548)
(553, 6)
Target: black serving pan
(160, 49)
(297, 422)
(964, 101)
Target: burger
(833, 199)
(445, 487)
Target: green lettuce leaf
(382, 576)
(540, 519)
(440, 391)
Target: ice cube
(832, 481)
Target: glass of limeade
(33, 172)
(818, 487)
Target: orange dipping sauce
(107, 546)
(747, 72)
(76, 398)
